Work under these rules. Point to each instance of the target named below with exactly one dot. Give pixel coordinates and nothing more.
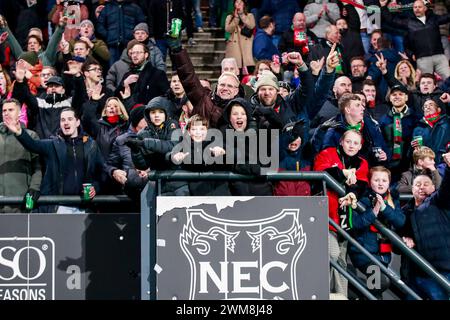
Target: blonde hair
(122, 110)
(411, 81)
(423, 152)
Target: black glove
(134, 143)
(174, 43)
(35, 194)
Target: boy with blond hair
(423, 158)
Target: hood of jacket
(161, 103)
(246, 105)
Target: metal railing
(331, 183)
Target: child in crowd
(383, 205)
(423, 158)
(152, 143)
(197, 153)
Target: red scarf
(431, 119)
(113, 119)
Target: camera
(373, 198)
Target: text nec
(238, 276)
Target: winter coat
(330, 161)
(103, 132)
(207, 105)
(54, 151)
(322, 49)
(99, 52)
(409, 122)
(239, 46)
(21, 169)
(424, 39)
(287, 43)
(436, 137)
(406, 181)
(429, 226)
(243, 153)
(48, 56)
(157, 140)
(151, 83)
(117, 20)
(418, 100)
(43, 113)
(263, 47)
(298, 105)
(115, 74)
(366, 234)
(372, 137)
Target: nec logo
(27, 268)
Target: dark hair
(89, 62)
(428, 75)
(35, 37)
(265, 21)
(368, 82)
(361, 58)
(70, 109)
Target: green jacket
(48, 57)
(19, 168)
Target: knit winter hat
(137, 114)
(141, 26)
(30, 56)
(87, 21)
(267, 78)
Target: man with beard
(143, 81)
(71, 158)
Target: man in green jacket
(20, 170)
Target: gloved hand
(174, 43)
(134, 143)
(35, 194)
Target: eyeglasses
(46, 75)
(136, 52)
(229, 86)
(96, 69)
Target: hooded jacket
(244, 188)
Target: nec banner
(242, 248)
(69, 256)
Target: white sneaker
(191, 42)
(200, 29)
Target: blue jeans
(212, 14)
(365, 38)
(197, 14)
(397, 41)
(431, 288)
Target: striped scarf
(431, 119)
(398, 138)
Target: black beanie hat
(136, 114)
